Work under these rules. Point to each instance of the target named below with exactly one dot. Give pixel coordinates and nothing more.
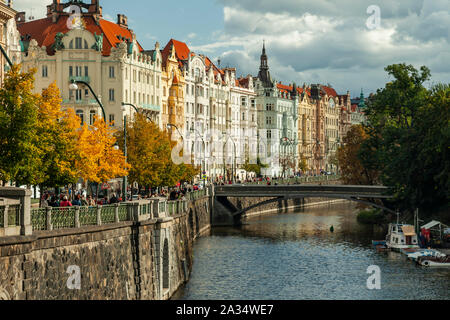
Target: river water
(294, 256)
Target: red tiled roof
(308, 91)
(181, 50)
(44, 32)
(243, 82)
(330, 91)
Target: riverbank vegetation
(405, 143)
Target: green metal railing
(43, 219)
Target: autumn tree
(352, 170)
(99, 161)
(20, 157)
(57, 138)
(149, 152)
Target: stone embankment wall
(123, 261)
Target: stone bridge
(226, 214)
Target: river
(294, 256)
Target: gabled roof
(181, 50)
(44, 32)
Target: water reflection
(295, 256)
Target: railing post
(116, 213)
(5, 217)
(136, 209)
(77, 217)
(156, 208)
(99, 215)
(26, 228)
(49, 218)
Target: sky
(341, 42)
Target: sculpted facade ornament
(98, 42)
(120, 53)
(35, 52)
(59, 45)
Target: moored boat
(401, 236)
(442, 262)
(425, 253)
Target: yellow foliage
(99, 161)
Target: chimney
(122, 20)
(20, 17)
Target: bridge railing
(297, 180)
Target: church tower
(264, 74)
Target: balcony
(82, 102)
(150, 107)
(86, 79)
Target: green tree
(20, 157)
(409, 138)
(255, 167)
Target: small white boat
(443, 262)
(425, 253)
(401, 236)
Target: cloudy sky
(322, 41)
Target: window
(268, 120)
(71, 71)
(253, 103)
(269, 134)
(111, 95)
(81, 115)
(111, 119)
(78, 43)
(111, 73)
(78, 71)
(86, 44)
(44, 71)
(78, 94)
(86, 71)
(92, 117)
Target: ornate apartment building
(67, 46)
(218, 118)
(277, 106)
(9, 37)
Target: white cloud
(37, 8)
(310, 41)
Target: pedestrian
(65, 202)
(113, 199)
(77, 201)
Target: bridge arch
(237, 215)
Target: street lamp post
(125, 179)
(291, 143)
(74, 86)
(204, 155)
(233, 166)
(6, 56)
